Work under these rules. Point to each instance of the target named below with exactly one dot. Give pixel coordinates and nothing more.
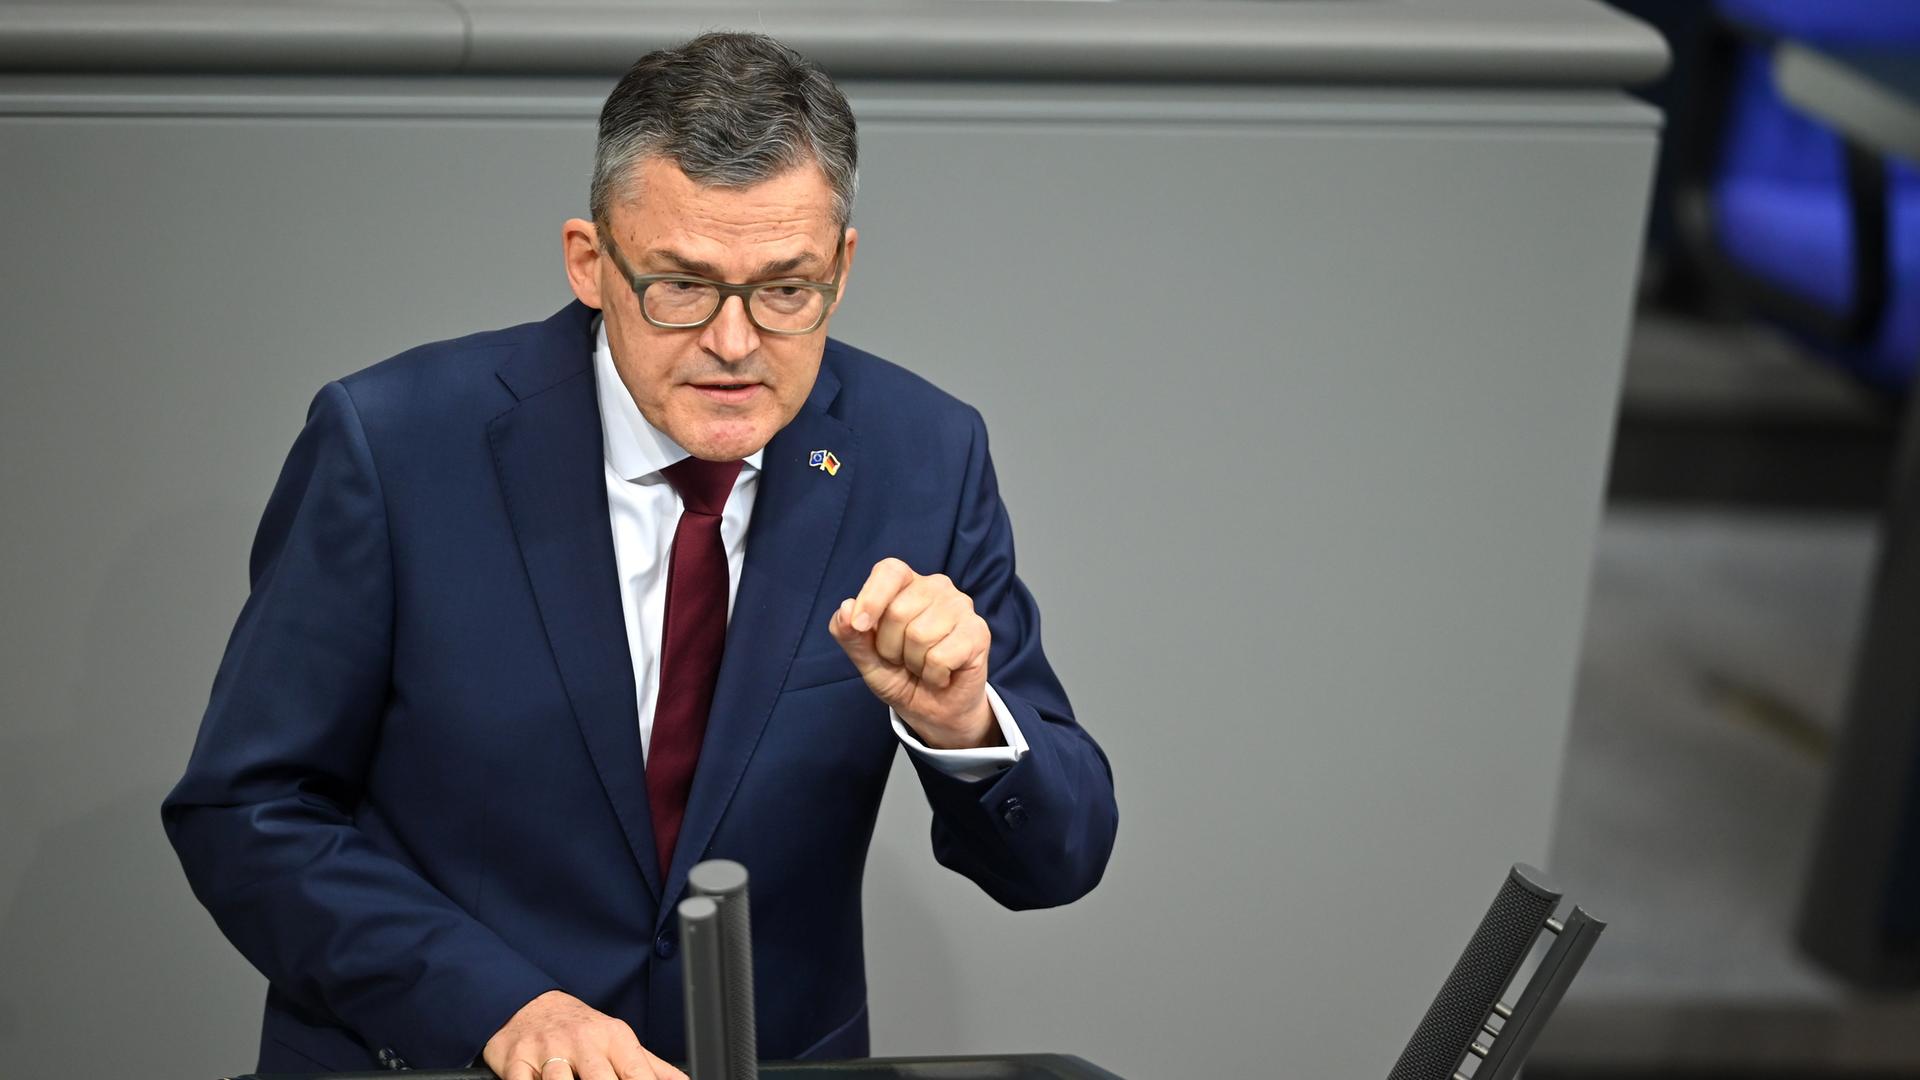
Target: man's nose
(731, 335)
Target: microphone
(1467, 1018)
(716, 936)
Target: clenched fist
(556, 1036)
(921, 649)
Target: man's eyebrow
(774, 269)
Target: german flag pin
(824, 459)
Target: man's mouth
(727, 393)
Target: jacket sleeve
(1038, 833)
(264, 818)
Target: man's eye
(782, 292)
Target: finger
(521, 1069)
(556, 1068)
(594, 1066)
(962, 650)
(890, 637)
(857, 646)
(928, 629)
(885, 581)
(662, 1068)
(631, 1061)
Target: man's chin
(727, 442)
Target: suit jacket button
(1013, 812)
(664, 946)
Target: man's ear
(846, 267)
(580, 244)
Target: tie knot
(703, 485)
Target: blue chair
(1817, 235)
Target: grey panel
(1310, 516)
(1311, 524)
(1541, 42)
(575, 98)
(226, 35)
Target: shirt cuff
(976, 764)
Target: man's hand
(556, 1036)
(922, 650)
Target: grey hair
(731, 110)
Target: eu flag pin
(824, 459)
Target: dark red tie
(696, 633)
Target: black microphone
(1467, 1016)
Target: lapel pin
(824, 459)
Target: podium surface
(1012, 1067)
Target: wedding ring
(561, 1060)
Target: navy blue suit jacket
(417, 798)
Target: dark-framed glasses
(689, 302)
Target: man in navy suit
(542, 617)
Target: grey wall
(1310, 515)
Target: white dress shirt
(644, 511)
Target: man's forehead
(722, 247)
(693, 236)
(666, 201)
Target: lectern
(716, 931)
(1468, 1033)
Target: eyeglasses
(686, 302)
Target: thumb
(858, 646)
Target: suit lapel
(796, 517)
(548, 452)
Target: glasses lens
(787, 307)
(680, 302)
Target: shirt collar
(634, 448)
